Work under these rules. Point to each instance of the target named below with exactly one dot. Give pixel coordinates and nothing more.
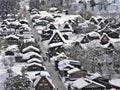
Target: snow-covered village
(59, 44)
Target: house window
(40, 84)
(34, 67)
(43, 80)
(46, 84)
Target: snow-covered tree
(94, 60)
(8, 7)
(18, 82)
(34, 4)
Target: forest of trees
(104, 61)
(19, 82)
(8, 7)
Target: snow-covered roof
(80, 83)
(104, 35)
(44, 73)
(60, 55)
(52, 25)
(96, 18)
(93, 76)
(53, 9)
(67, 62)
(49, 80)
(63, 27)
(29, 40)
(24, 20)
(32, 74)
(37, 64)
(15, 23)
(34, 16)
(58, 32)
(26, 27)
(6, 21)
(73, 70)
(115, 82)
(30, 47)
(64, 67)
(13, 36)
(34, 59)
(29, 54)
(45, 14)
(116, 45)
(94, 34)
(55, 44)
(12, 48)
(63, 64)
(64, 18)
(83, 82)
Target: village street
(60, 45)
(54, 76)
(49, 67)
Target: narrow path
(54, 76)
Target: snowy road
(54, 76)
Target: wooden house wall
(35, 68)
(43, 84)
